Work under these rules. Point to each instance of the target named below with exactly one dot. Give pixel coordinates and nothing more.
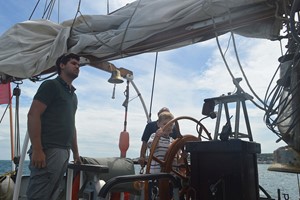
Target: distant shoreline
(265, 158)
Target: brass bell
(115, 77)
(286, 159)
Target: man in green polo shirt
(51, 129)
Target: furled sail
(31, 47)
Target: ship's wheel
(175, 160)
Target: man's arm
(75, 151)
(143, 154)
(146, 134)
(38, 157)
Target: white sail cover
(31, 47)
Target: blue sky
(185, 77)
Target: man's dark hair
(64, 59)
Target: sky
(184, 78)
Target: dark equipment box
(224, 170)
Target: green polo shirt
(58, 120)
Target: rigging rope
(279, 104)
(126, 29)
(90, 28)
(107, 6)
(153, 84)
(34, 9)
(48, 9)
(240, 66)
(269, 86)
(244, 75)
(5, 110)
(281, 97)
(274, 115)
(78, 11)
(58, 11)
(51, 6)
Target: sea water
(271, 181)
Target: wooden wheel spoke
(161, 162)
(179, 174)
